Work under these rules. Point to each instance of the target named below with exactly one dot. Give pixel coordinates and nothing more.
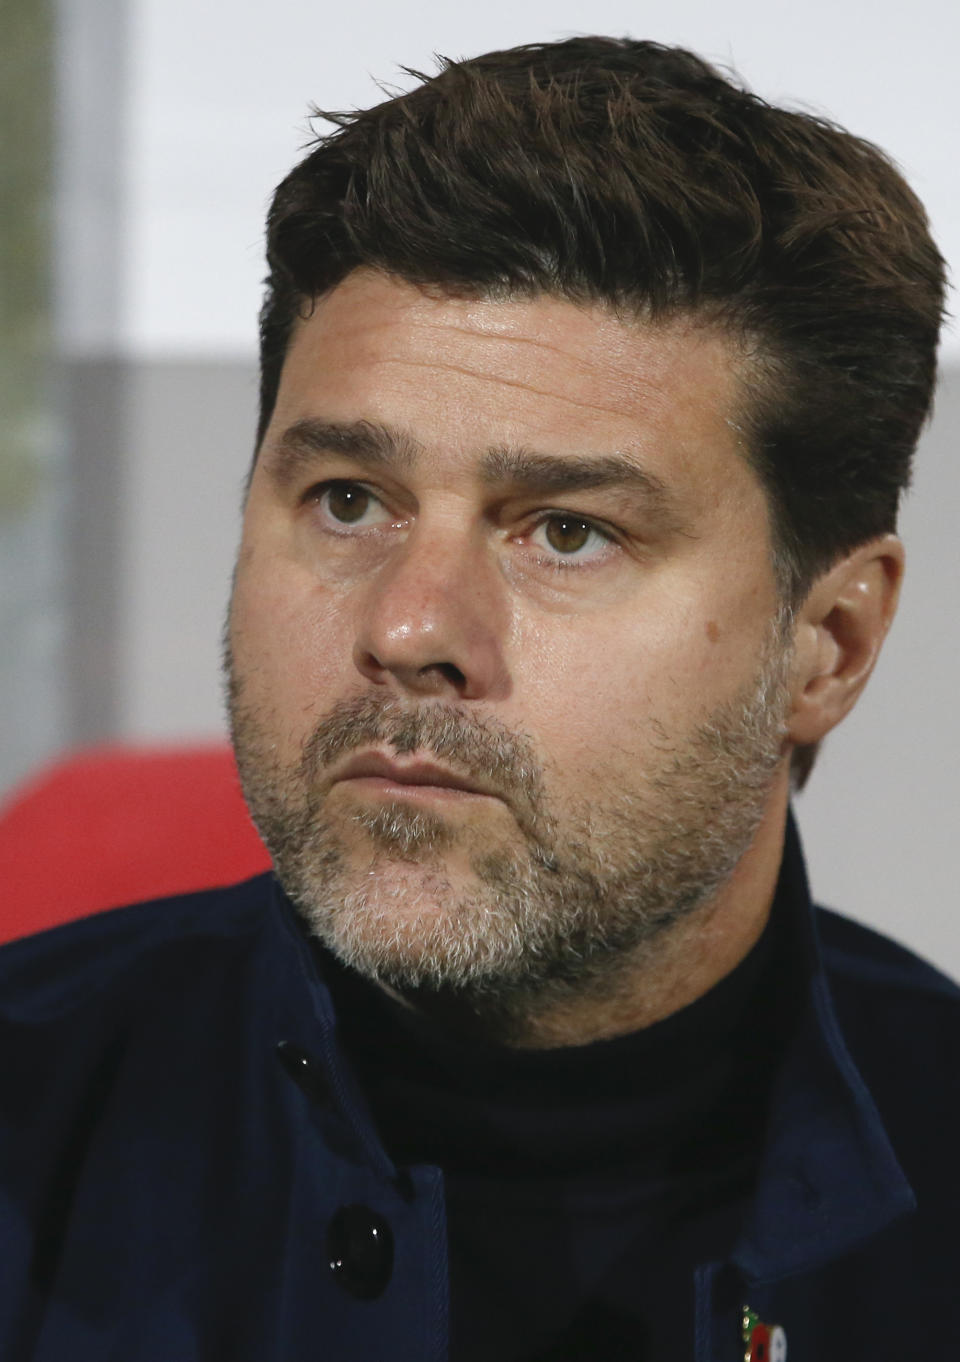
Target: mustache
(478, 746)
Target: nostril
(448, 671)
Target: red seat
(115, 825)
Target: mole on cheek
(713, 632)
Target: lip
(395, 775)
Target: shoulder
(864, 963)
(858, 956)
(887, 998)
(900, 1019)
(61, 970)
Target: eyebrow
(526, 469)
(366, 442)
(373, 445)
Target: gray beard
(553, 917)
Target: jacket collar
(829, 1178)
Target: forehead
(462, 375)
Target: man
(590, 383)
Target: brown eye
(567, 534)
(347, 501)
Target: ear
(838, 633)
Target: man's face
(506, 682)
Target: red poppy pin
(762, 1342)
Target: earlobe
(839, 632)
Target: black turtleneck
(584, 1183)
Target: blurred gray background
(140, 142)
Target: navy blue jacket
(188, 1170)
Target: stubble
(555, 909)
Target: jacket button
(303, 1070)
(360, 1251)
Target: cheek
(598, 700)
(290, 645)
(583, 694)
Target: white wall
(215, 115)
(219, 94)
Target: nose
(433, 620)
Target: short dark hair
(627, 173)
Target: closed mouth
(413, 773)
